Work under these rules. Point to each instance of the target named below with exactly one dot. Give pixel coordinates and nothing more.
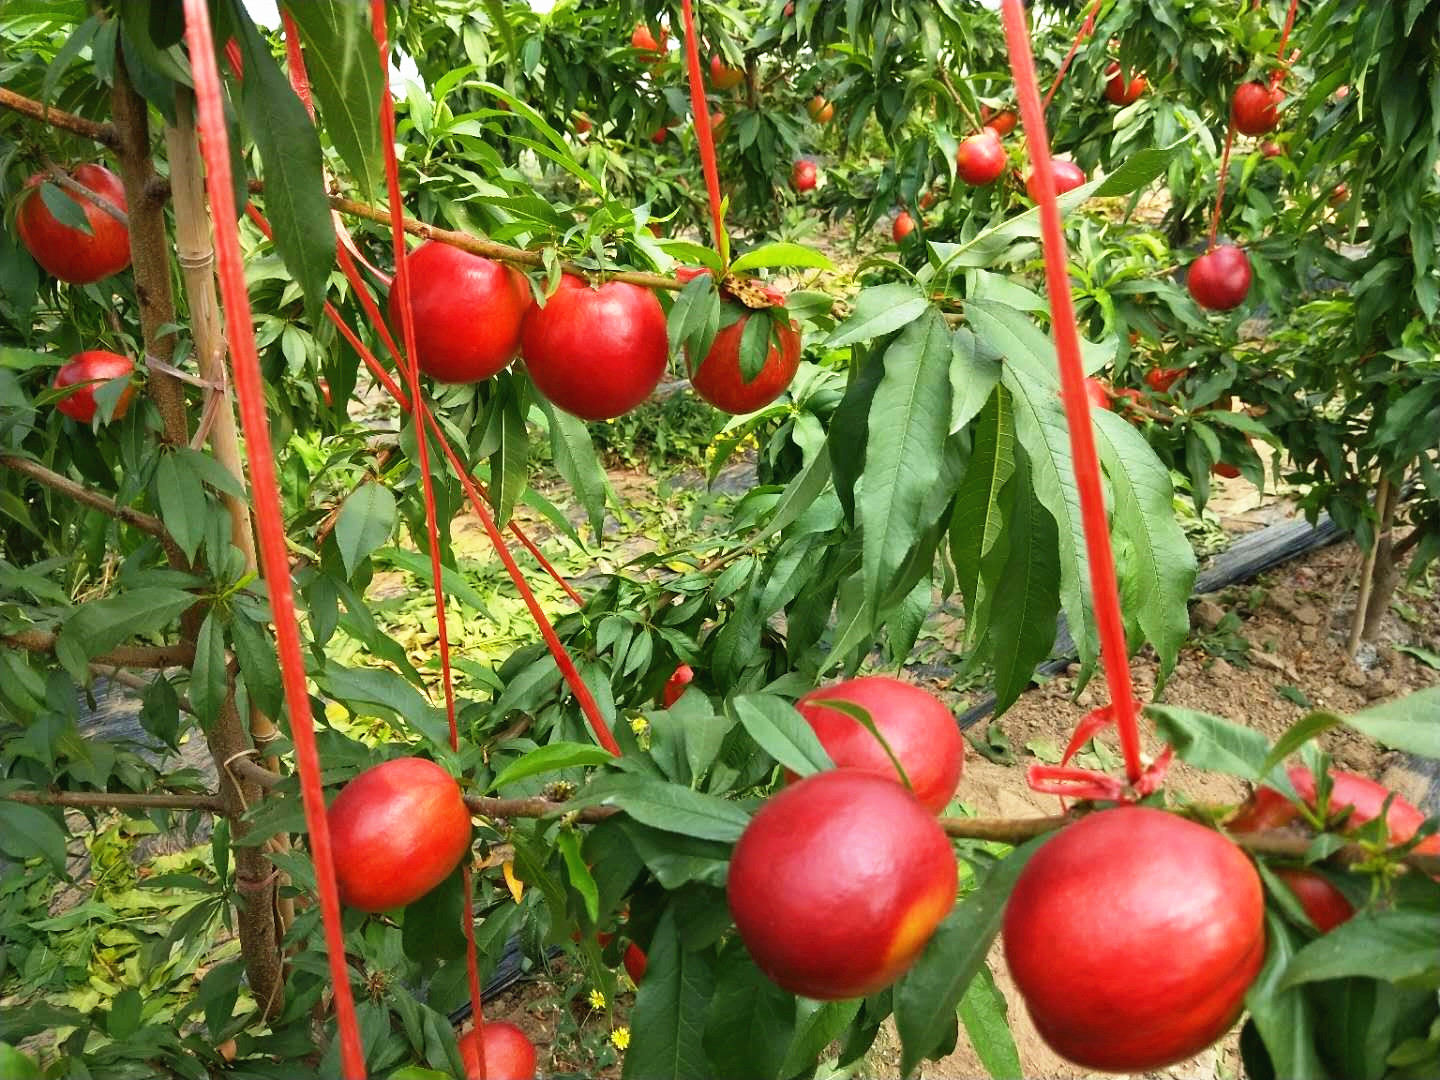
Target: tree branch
(118, 800)
(104, 134)
(82, 494)
(491, 250)
(125, 656)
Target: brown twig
(82, 494)
(970, 118)
(503, 252)
(125, 656)
(118, 800)
(70, 184)
(104, 134)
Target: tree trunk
(255, 877)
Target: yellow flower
(597, 999)
(620, 1037)
(639, 724)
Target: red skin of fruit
(582, 125)
(826, 114)
(1068, 177)
(1271, 150)
(789, 10)
(397, 831)
(1225, 469)
(719, 381)
(660, 136)
(1323, 902)
(838, 882)
(1099, 394)
(723, 76)
(1120, 92)
(509, 1054)
(1162, 379)
(325, 392)
(1130, 394)
(1133, 936)
(596, 353)
(1254, 108)
(1220, 280)
(802, 176)
(641, 38)
(980, 159)
(920, 729)
(69, 254)
(903, 227)
(928, 200)
(467, 312)
(1003, 123)
(683, 676)
(1268, 809)
(1339, 194)
(96, 367)
(717, 121)
(634, 959)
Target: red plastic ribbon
(269, 517)
(1086, 29)
(422, 444)
(1220, 184)
(1104, 586)
(701, 108)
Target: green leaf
(1137, 171)
(259, 664)
(27, 831)
(770, 255)
(365, 523)
(668, 1020)
(124, 1018)
(509, 464)
(365, 689)
(668, 807)
(927, 996)
(1158, 570)
(1407, 724)
(980, 511)
(818, 1024)
(569, 844)
(344, 70)
(754, 347)
(551, 758)
(1208, 742)
(750, 1021)
(987, 1023)
(1021, 628)
(16, 1066)
(452, 581)
(1395, 946)
(912, 407)
(1042, 432)
(973, 378)
(1283, 1017)
(207, 678)
(578, 463)
(694, 320)
(1297, 736)
(799, 495)
(295, 197)
(99, 625)
(779, 729)
(182, 502)
(878, 311)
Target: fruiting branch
(118, 800)
(82, 494)
(104, 134)
(489, 249)
(1279, 843)
(180, 654)
(970, 118)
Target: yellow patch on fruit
(513, 883)
(916, 926)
